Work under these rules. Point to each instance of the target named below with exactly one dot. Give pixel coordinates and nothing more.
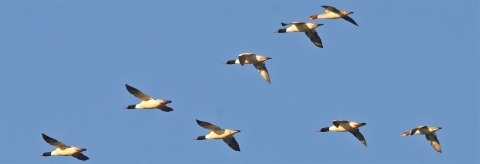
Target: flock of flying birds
(226, 135)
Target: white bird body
(346, 126)
(251, 58)
(258, 62)
(63, 150)
(220, 134)
(307, 28)
(147, 102)
(67, 152)
(301, 26)
(150, 104)
(429, 132)
(333, 13)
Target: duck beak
(40, 155)
(81, 149)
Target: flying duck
(218, 133)
(332, 13)
(258, 62)
(308, 28)
(344, 126)
(147, 102)
(429, 132)
(63, 150)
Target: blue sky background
(64, 65)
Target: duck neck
(325, 129)
(283, 30)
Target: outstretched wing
(137, 93)
(350, 20)
(208, 125)
(313, 36)
(359, 136)
(331, 9)
(165, 108)
(432, 138)
(54, 142)
(338, 122)
(232, 143)
(80, 156)
(262, 70)
(286, 24)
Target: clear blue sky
(64, 65)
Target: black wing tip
(80, 156)
(328, 7)
(131, 89)
(46, 137)
(167, 109)
(347, 18)
(84, 159)
(234, 146)
(283, 24)
(201, 123)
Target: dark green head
(46, 154)
(324, 129)
(230, 62)
(283, 30)
(200, 138)
(130, 107)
